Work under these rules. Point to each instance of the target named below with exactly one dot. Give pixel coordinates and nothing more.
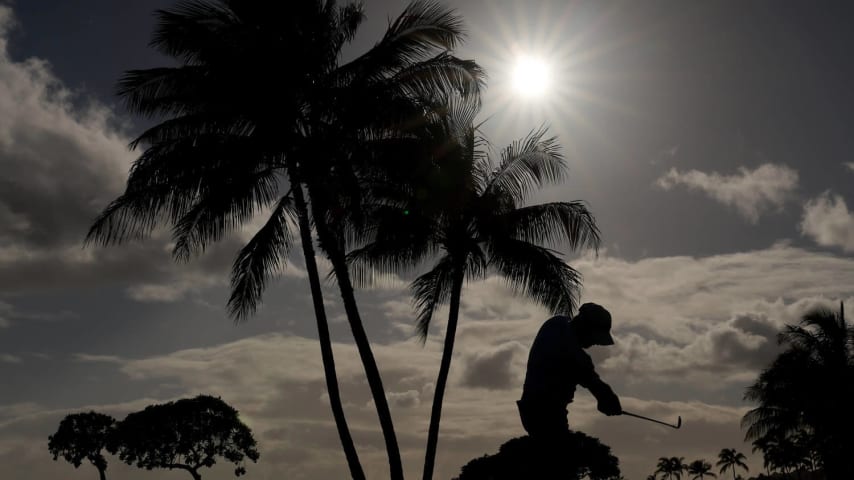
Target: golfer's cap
(598, 321)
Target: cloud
(691, 334)
(493, 368)
(407, 399)
(64, 157)
(172, 291)
(87, 358)
(5, 311)
(7, 358)
(828, 222)
(850, 165)
(275, 382)
(9, 312)
(750, 192)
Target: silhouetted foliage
(236, 124)
(805, 398)
(521, 458)
(82, 436)
(671, 467)
(787, 454)
(731, 459)
(186, 434)
(471, 210)
(700, 469)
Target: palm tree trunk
(102, 473)
(444, 369)
(323, 336)
(335, 252)
(342, 274)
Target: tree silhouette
(470, 210)
(235, 123)
(82, 436)
(700, 469)
(807, 390)
(731, 459)
(671, 467)
(186, 434)
(585, 457)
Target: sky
(711, 140)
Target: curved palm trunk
(323, 337)
(444, 370)
(335, 252)
(372, 373)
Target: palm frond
(402, 239)
(552, 224)
(429, 291)
(192, 27)
(423, 29)
(441, 76)
(264, 255)
(222, 207)
(527, 164)
(167, 181)
(170, 91)
(537, 273)
(131, 216)
(187, 126)
(422, 26)
(348, 19)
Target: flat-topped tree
(82, 436)
(186, 434)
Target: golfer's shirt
(556, 364)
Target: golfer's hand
(610, 405)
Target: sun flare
(531, 77)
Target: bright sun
(531, 77)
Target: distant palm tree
(730, 459)
(808, 388)
(671, 467)
(474, 216)
(237, 123)
(700, 469)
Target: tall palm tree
(731, 459)
(809, 387)
(472, 213)
(700, 469)
(235, 124)
(672, 467)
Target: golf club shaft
(653, 420)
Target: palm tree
(808, 388)
(700, 469)
(671, 467)
(473, 215)
(235, 124)
(730, 459)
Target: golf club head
(678, 422)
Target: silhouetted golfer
(556, 364)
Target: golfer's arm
(597, 387)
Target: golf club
(678, 421)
